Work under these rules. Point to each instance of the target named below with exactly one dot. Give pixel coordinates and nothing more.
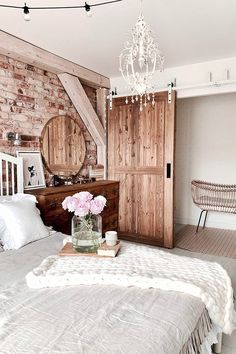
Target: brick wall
(29, 97)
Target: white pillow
(17, 196)
(22, 196)
(2, 231)
(23, 223)
(5, 198)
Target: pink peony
(83, 196)
(70, 203)
(97, 205)
(83, 203)
(82, 209)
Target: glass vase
(86, 233)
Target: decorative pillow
(23, 223)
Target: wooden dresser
(50, 199)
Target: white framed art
(32, 169)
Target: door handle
(168, 170)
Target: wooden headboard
(11, 174)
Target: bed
(93, 318)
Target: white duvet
(145, 267)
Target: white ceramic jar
(111, 238)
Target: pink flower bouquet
(86, 223)
(83, 203)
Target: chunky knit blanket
(145, 267)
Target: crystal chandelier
(138, 61)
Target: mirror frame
(46, 165)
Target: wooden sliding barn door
(141, 157)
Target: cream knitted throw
(145, 267)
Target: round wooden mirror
(63, 146)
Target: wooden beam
(102, 112)
(21, 50)
(84, 107)
(101, 105)
(87, 113)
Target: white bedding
(87, 319)
(145, 267)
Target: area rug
(213, 241)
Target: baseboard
(217, 224)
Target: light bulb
(27, 17)
(88, 9)
(26, 13)
(89, 13)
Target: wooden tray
(68, 250)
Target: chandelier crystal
(138, 61)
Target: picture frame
(32, 169)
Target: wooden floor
(209, 240)
(229, 342)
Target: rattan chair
(213, 197)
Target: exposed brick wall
(29, 97)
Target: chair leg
(205, 219)
(199, 220)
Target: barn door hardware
(170, 88)
(109, 97)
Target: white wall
(191, 80)
(205, 150)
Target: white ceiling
(188, 31)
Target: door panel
(151, 135)
(127, 214)
(140, 144)
(149, 208)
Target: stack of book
(108, 251)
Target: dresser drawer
(112, 206)
(55, 201)
(109, 192)
(51, 203)
(110, 223)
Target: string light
(26, 13)
(88, 9)
(26, 9)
